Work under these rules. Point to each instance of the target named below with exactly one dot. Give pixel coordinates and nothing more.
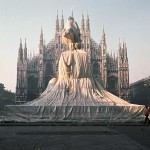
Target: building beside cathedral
(140, 92)
(34, 72)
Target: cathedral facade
(34, 72)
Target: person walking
(146, 113)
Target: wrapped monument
(75, 94)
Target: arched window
(113, 85)
(32, 88)
(32, 83)
(48, 73)
(96, 68)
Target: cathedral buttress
(88, 37)
(41, 64)
(120, 75)
(125, 72)
(25, 63)
(21, 87)
(104, 59)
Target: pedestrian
(146, 113)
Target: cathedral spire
(103, 43)
(20, 43)
(104, 59)
(119, 49)
(41, 37)
(57, 22)
(82, 23)
(41, 45)
(87, 24)
(62, 21)
(20, 52)
(103, 35)
(124, 49)
(72, 13)
(25, 51)
(21, 88)
(25, 45)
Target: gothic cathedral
(35, 71)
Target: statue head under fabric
(71, 34)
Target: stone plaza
(73, 137)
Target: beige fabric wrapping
(75, 85)
(75, 95)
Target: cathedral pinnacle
(87, 16)
(57, 23)
(20, 51)
(124, 43)
(119, 49)
(87, 24)
(62, 21)
(111, 54)
(20, 43)
(41, 37)
(72, 13)
(103, 40)
(124, 49)
(103, 36)
(57, 13)
(25, 50)
(25, 44)
(82, 22)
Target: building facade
(35, 71)
(140, 92)
(6, 97)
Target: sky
(124, 19)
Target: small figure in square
(146, 113)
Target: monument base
(23, 113)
